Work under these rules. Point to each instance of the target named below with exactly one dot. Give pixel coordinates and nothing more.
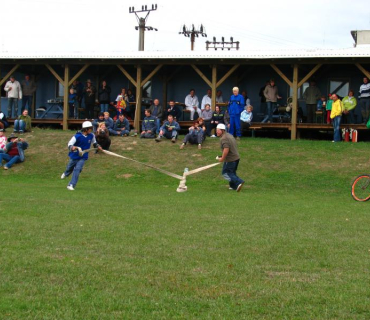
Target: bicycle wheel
(361, 188)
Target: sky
(73, 26)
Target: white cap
(87, 124)
(221, 126)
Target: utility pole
(222, 44)
(192, 33)
(142, 23)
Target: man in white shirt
(192, 104)
(364, 97)
(219, 98)
(14, 93)
(207, 99)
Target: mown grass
(125, 245)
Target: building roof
(357, 52)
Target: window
(60, 90)
(300, 90)
(339, 86)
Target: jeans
(365, 108)
(336, 126)
(19, 125)
(170, 134)
(235, 125)
(229, 173)
(89, 109)
(11, 102)
(118, 133)
(27, 100)
(270, 107)
(75, 166)
(9, 159)
(104, 107)
(158, 123)
(194, 138)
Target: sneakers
(6, 168)
(213, 136)
(70, 187)
(173, 140)
(240, 186)
(158, 139)
(199, 146)
(237, 138)
(62, 176)
(182, 146)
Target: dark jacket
(218, 117)
(149, 123)
(104, 94)
(175, 111)
(89, 96)
(21, 147)
(159, 114)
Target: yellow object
(336, 109)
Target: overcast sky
(101, 26)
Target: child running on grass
(82, 139)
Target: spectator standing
(272, 95)
(121, 126)
(104, 96)
(23, 123)
(192, 104)
(336, 116)
(72, 104)
(364, 97)
(82, 139)
(14, 151)
(89, 96)
(311, 95)
(219, 98)
(156, 111)
(235, 108)
(169, 130)
(247, 101)
(130, 96)
(263, 98)
(28, 89)
(14, 93)
(149, 125)
(230, 157)
(349, 105)
(78, 88)
(207, 99)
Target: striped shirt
(364, 91)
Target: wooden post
(363, 70)
(214, 86)
(139, 93)
(293, 131)
(65, 97)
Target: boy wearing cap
(230, 157)
(82, 139)
(14, 151)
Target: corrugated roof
(359, 52)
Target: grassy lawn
(125, 245)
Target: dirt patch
(124, 176)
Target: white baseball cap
(221, 126)
(87, 124)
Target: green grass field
(292, 244)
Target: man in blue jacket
(169, 130)
(235, 108)
(149, 125)
(82, 139)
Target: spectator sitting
(3, 121)
(227, 120)
(202, 125)
(23, 123)
(2, 141)
(217, 117)
(169, 129)
(14, 151)
(207, 117)
(195, 136)
(321, 103)
(219, 98)
(72, 98)
(246, 118)
(130, 96)
(207, 99)
(109, 123)
(157, 112)
(96, 122)
(121, 127)
(102, 136)
(121, 107)
(173, 110)
(149, 125)
(192, 103)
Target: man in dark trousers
(230, 157)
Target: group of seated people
(21, 124)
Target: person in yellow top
(349, 105)
(336, 116)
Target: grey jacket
(28, 87)
(312, 94)
(271, 93)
